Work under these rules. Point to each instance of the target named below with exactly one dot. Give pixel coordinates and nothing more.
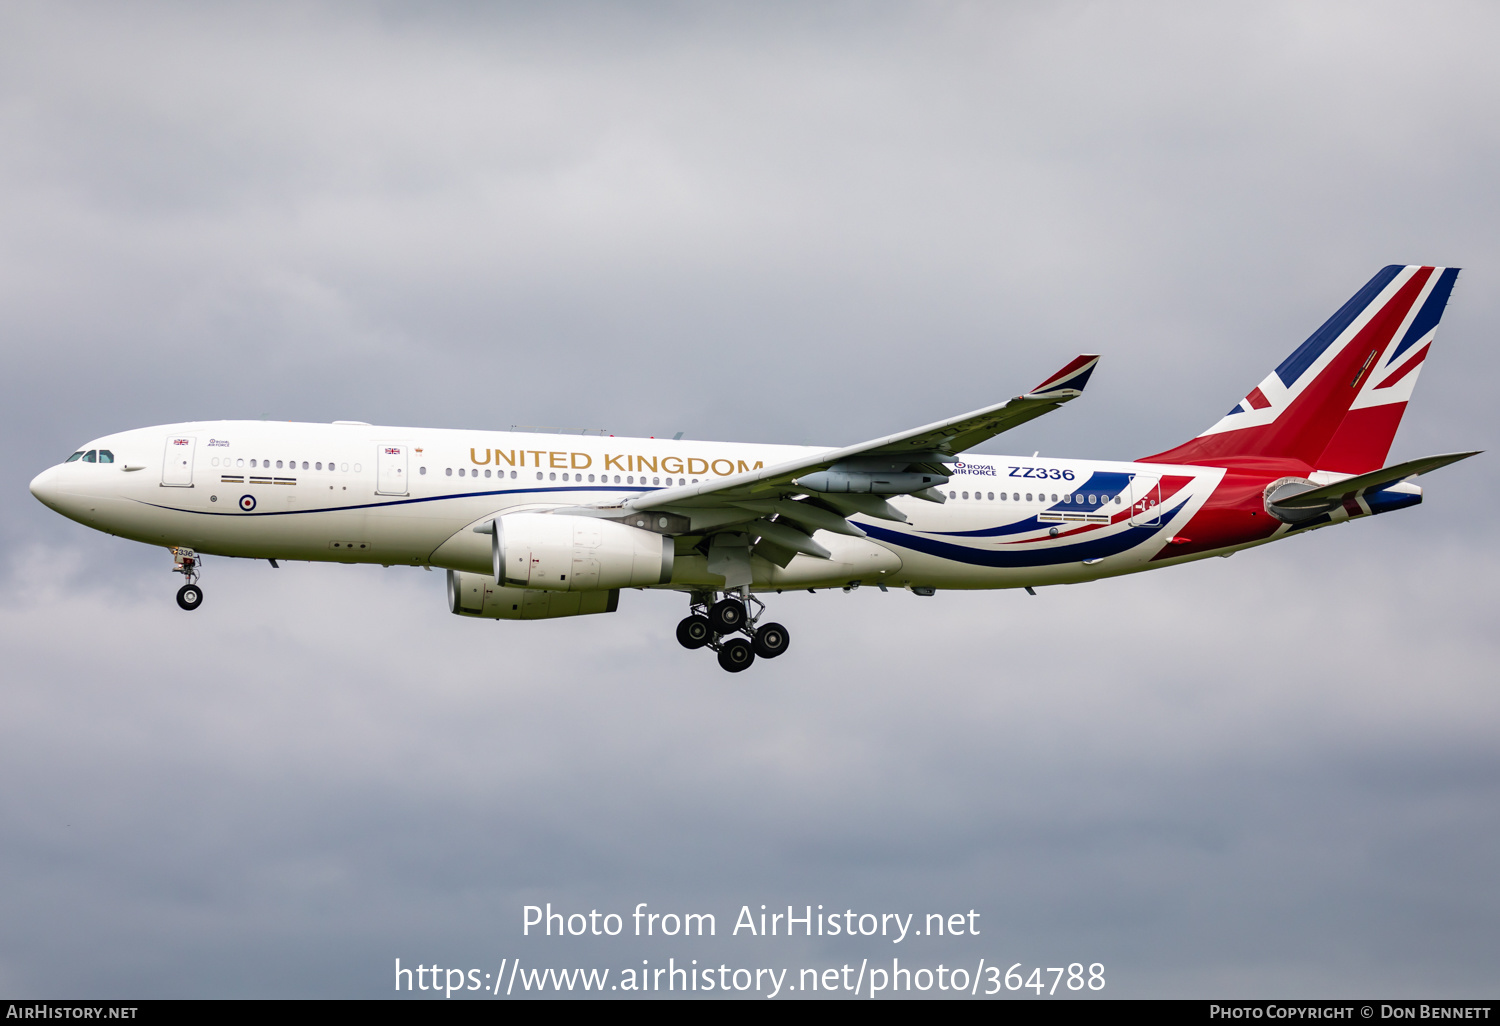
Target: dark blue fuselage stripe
(1097, 548)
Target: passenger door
(177, 462)
(390, 470)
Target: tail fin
(1336, 402)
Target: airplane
(531, 525)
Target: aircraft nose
(45, 487)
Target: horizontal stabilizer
(1373, 481)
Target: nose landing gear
(185, 562)
(710, 623)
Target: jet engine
(477, 595)
(570, 554)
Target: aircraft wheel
(694, 632)
(190, 596)
(736, 654)
(770, 640)
(727, 615)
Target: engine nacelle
(566, 553)
(477, 595)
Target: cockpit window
(92, 456)
(105, 456)
(75, 456)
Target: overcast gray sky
(1274, 775)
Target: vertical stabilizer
(1336, 402)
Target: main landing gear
(711, 623)
(186, 563)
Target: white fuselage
(410, 496)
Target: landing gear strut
(711, 622)
(186, 563)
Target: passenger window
(952, 495)
(512, 475)
(1054, 496)
(591, 479)
(239, 463)
(92, 456)
(486, 473)
(992, 496)
(105, 456)
(449, 471)
(278, 464)
(1028, 496)
(252, 463)
(1117, 500)
(617, 479)
(319, 466)
(552, 477)
(656, 480)
(538, 475)
(966, 495)
(630, 480)
(422, 471)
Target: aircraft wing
(761, 503)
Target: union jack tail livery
(1335, 403)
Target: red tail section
(1336, 402)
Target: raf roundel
(247, 502)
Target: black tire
(694, 632)
(736, 655)
(727, 615)
(190, 596)
(771, 640)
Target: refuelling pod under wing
(572, 553)
(477, 595)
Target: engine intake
(477, 595)
(569, 554)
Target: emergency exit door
(390, 470)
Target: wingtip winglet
(1075, 375)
